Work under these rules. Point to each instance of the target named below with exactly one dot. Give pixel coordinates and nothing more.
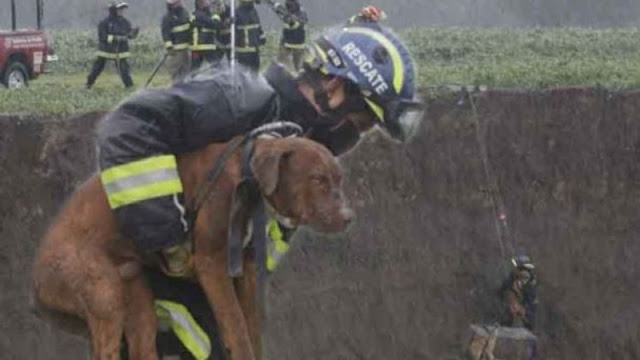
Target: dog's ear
(266, 168)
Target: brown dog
(85, 268)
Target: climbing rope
(495, 195)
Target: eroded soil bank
(424, 259)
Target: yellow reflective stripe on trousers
(276, 246)
(113, 56)
(204, 47)
(141, 180)
(294, 46)
(185, 327)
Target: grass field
(536, 58)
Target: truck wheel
(15, 76)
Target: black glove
(134, 33)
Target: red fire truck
(23, 52)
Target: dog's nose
(347, 214)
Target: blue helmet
(380, 65)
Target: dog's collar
(287, 222)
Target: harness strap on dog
(247, 194)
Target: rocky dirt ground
(423, 260)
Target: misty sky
(402, 13)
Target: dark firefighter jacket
(293, 33)
(113, 34)
(176, 29)
(189, 115)
(249, 34)
(205, 26)
(527, 296)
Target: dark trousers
(199, 57)
(250, 60)
(192, 296)
(122, 66)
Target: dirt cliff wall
(424, 259)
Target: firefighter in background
(114, 33)
(205, 24)
(293, 37)
(519, 292)
(224, 34)
(176, 34)
(249, 35)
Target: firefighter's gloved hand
(134, 33)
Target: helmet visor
(400, 118)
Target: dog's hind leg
(103, 297)
(141, 324)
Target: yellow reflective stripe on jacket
(141, 180)
(197, 46)
(113, 56)
(248, 27)
(276, 246)
(195, 36)
(181, 28)
(180, 46)
(203, 47)
(185, 327)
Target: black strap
(244, 198)
(248, 204)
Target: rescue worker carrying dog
(176, 34)
(205, 24)
(114, 33)
(249, 35)
(353, 78)
(292, 41)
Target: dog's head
(302, 181)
